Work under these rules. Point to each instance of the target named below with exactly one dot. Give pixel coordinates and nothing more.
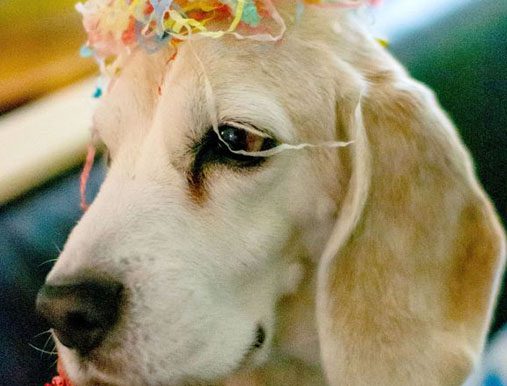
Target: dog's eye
(221, 148)
(245, 139)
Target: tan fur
(409, 294)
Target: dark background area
(463, 57)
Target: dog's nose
(81, 314)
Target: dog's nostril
(80, 321)
(81, 314)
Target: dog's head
(178, 270)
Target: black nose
(81, 314)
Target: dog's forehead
(213, 82)
(256, 82)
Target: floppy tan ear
(408, 280)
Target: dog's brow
(258, 109)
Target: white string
(287, 146)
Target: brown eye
(240, 138)
(221, 147)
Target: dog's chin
(92, 368)
(101, 368)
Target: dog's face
(203, 240)
(174, 274)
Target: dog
(377, 263)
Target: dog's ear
(409, 277)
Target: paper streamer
(115, 27)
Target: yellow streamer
(237, 17)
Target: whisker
(42, 333)
(43, 351)
(57, 247)
(47, 261)
(45, 344)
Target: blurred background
(457, 47)
(38, 42)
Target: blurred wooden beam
(45, 138)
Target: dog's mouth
(99, 367)
(260, 338)
(249, 359)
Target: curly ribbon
(114, 25)
(85, 175)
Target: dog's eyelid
(248, 127)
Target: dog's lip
(93, 376)
(95, 369)
(96, 360)
(256, 346)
